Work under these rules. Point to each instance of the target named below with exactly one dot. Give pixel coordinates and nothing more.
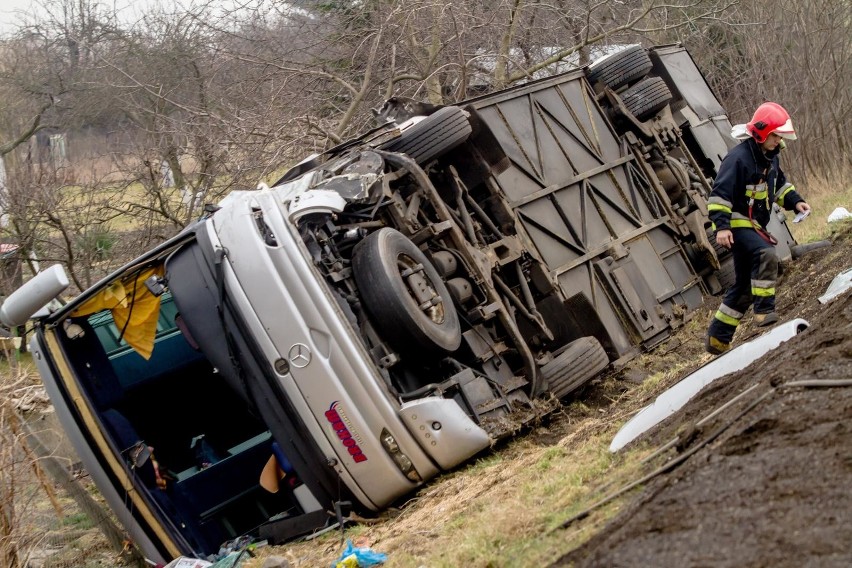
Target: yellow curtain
(133, 300)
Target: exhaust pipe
(799, 251)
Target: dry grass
(18, 469)
(41, 525)
(824, 194)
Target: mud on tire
(573, 366)
(726, 275)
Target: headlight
(402, 461)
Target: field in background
(824, 194)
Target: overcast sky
(9, 18)
(7, 12)
(10, 9)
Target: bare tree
(798, 54)
(197, 101)
(345, 56)
(18, 466)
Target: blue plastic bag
(363, 556)
(232, 560)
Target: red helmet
(769, 118)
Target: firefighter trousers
(756, 269)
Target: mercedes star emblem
(299, 355)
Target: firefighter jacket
(748, 178)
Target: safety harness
(761, 191)
(754, 192)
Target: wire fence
(51, 515)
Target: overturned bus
(390, 308)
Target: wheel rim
(420, 289)
(404, 294)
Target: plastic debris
(350, 561)
(839, 214)
(232, 559)
(840, 284)
(673, 399)
(234, 545)
(186, 562)
(359, 557)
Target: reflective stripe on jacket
(747, 173)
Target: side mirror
(24, 302)
(139, 454)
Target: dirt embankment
(773, 488)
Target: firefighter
(749, 182)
